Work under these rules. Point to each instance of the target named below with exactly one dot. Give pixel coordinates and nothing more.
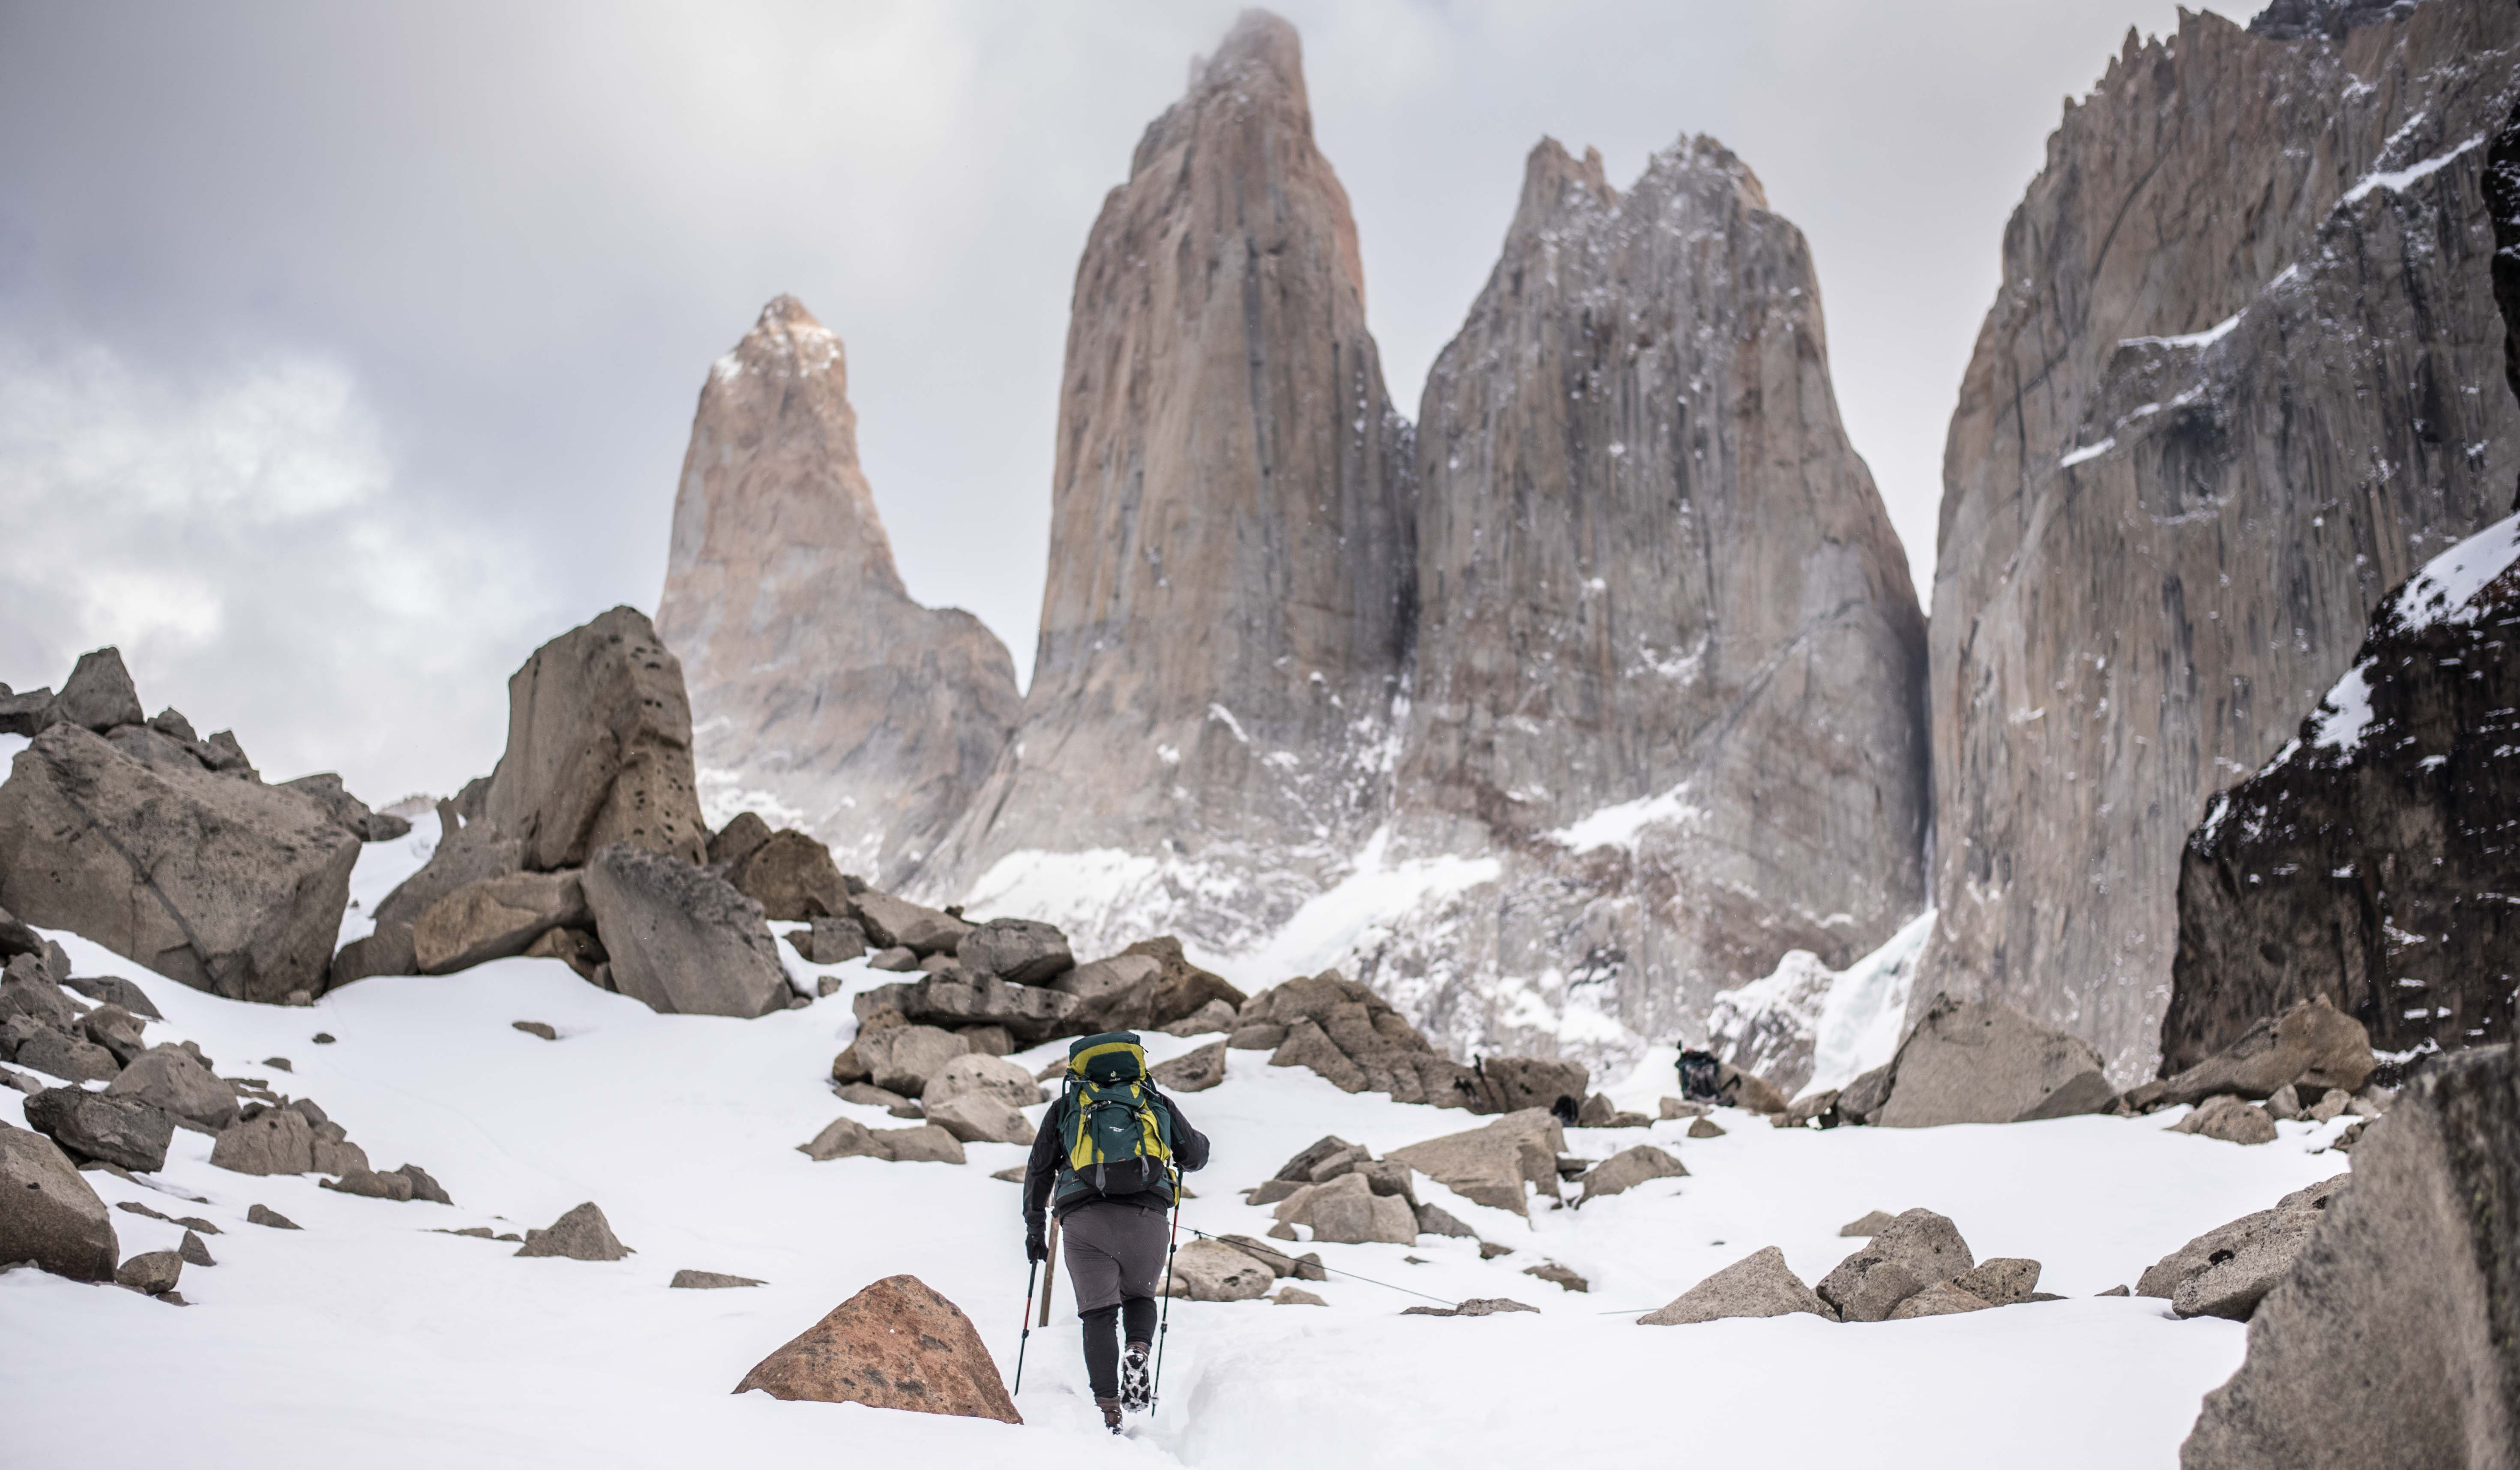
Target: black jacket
(1189, 1151)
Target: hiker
(1106, 1161)
(1702, 1079)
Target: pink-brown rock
(895, 1345)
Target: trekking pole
(1050, 1283)
(1031, 1270)
(1164, 1326)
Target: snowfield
(367, 1338)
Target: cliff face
(2376, 860)
(1227, 613)
(819, 690)
(2232, 388)
(1669, 668)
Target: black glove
(1037, 1244)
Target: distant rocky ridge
(817, 686)
(2227, 396)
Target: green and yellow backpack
(1118, 1141)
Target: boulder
(25, 714)
(2391, 1339)
(118, 1031)
(1860, 1100)
(1474, 1307)
(1704, 1127)
(275, 1142)
(228, 886)
(1759, 1284)
(422, 1185)
(925, 1144)
(981, 1118)
(895, 1345)
(1214, 1016)
(1191, 1071)
(1211, 1270)
(1629, 1167)
(1942, 1299)
(868, 1094)
(1913, 1252)
(1031, 1014)
(1260, 1035)
(1117, 993)
(892, 923)
(578, 949)
(973, 1071)
(195, 1251)
(324, 791)
(2229, 1268)
(269, 1217)
(902, 1059)
(173, 1080)
(48, 1214)
(1511, 1084)
(1435, 1219)
(1491, 1165)
(98, 1125)
(741, 837)
(150, 1273)
(1296, 1296)
(113, 990)
(28, 990)
(496, 917)
(1024, 950)
(598, 750)
(1558, 1276)
(2231, 1120)
(1353, 1038)
(681, 940)
(2310, 1045)
(1183, 990)
(467, 854)
(1978, 1061)
(360, 1180)
(99, 694)
(1748, 1091)
(57, 1053)
(896, 959)
(844, 1138)
(708, 1280)
(835, 940)
(1346, 1209)
(581, 1235)
(1999, 1280)
(792, 878)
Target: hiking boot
(1110, 1413)
(1136, 1392)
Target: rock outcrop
(2225, 397)
(682, 939)
(895, 1345)
(1669, 666)
(815, 679)
(1228, 610)
(2367, 865)
(2390, 1335)
(1976, 1062)
(48, 1214)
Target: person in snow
(1107, 1163)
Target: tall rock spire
(820, 692)
(2238, 379)
(1228, 607)
(1670, 667)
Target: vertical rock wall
(2234, 384)
(820, 691)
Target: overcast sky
(347, 352)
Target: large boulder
(1211, 1270)
(1978, 1061)
(343, 810)
(581, 1235)
(1759, 1284)
(56, 1054)
(894, 923)
(1352, 1037)
(99, 693)
(495, 918)
(792, 876)
(681, 940)
(275, 1141)
(895, 1345)
(1629, 1167)
(904, 1059)
(1491, 1165)
(977, 1072)
(1030, 1014)
(981, 1118)
(98, 1126)
(1191, 1071)
(1347, 1210)
(1025, 951)
(48, 1214)
(1117, 993)
(1511, 1084)
(227, 885)
(2310, 1045)
(2231, 1120)
(846, 1138)
(1912, 1253)
(172, 1079)
(2229, 1268)
(599, 750)
(465, 854)
(2394, 1338)
(1184, 989)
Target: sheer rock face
(863, 716)
(2232, 387)
(1670, 668)
(1227, 614)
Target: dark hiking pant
(1116, 1262)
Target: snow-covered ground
(367, 1338)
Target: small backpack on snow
(1117, 1140)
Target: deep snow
(367, 1338)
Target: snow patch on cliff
(1624, 823)
(1805, 1027)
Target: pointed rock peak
(1554, 183)
(1696, 152)
(1261, 43)
(784, 340)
